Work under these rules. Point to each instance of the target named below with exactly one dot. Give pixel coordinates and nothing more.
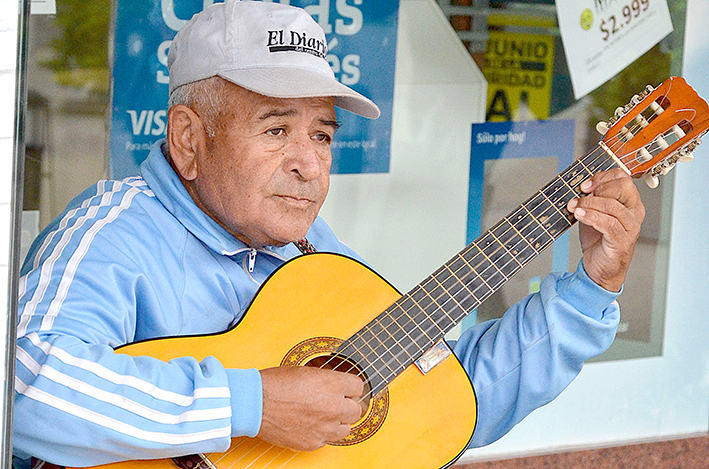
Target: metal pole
(15, 233)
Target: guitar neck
(413, 324)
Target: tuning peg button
(686, 157)
(651, 181)
(602, 127)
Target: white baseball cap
(269, 48)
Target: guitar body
(420, 422)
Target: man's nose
(304, 158)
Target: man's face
(265, 173)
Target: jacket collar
(170, 191)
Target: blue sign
(362, 52)
(533, 139)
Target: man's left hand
(610, 217)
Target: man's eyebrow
(291, 112)
(278, 113)
(331, 123)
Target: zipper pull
(252, 260)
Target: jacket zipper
(252, 260)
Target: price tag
(602, 37)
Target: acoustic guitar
(421, 407)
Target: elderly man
(183, 249)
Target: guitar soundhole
(318, 352)
(337, 363)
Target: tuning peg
(651, 181)
(686, 157)
(667, 168)
(619, 112)
(602, 127)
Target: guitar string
(464, 286)
(601, 153)
(452, 297)
(464, 282)
(373, 393)
(468, 251)
(295, 454)
(440, 283)
(612, 162)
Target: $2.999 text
(613, 25)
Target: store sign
(361, 51)
(518, 68)
(602, 37)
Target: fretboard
(420, 318)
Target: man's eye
(276, 132)
(323, 137)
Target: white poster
(602, 37)
(43, 7)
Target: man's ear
(186, 137)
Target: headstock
(656, 129)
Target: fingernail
(572, 204)
(586, 185)
(579, 213)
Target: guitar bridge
(433, 357)
(194, 461)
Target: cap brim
(301, 83)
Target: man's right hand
(305, 407)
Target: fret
(435, 296)
(509, 253)
(535, 238)
(495, 253)
(423, 302)
(484, 268)
(447, 305)
(393, 337)
(558, 195)
(558, 210)
(514, 241)
(414, 323)
(475, 283)
(408, 315)
(576, 174)
(464, 290)
(405, 322)
(388, 343)
(368, 359)
(590, 173)
(573, 191)
(463, 298)
(594, 166)
(479, 279)
(369, 339)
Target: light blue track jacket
(137, 259)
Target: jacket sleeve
(529, 356)
(74, 394)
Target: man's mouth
(296, 200)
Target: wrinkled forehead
(248, 104)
